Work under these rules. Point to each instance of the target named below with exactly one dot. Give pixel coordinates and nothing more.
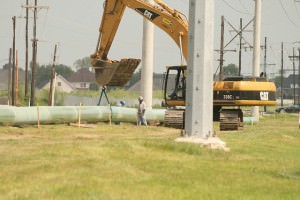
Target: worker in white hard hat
(141, 112)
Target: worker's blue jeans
(142, 120)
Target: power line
(286, 13)
(297, 11)
(243, 5)
(235, 8)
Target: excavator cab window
(175, 84)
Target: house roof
(82, 75)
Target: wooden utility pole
(240, 50)
(265, 58)
(281, 76)
(50, 98)
(17, 79)
(9, 78)
(222, 50)
(14, 62)
(265, 66)
(299, 77)
(294, 76)
(34, 52)
(239, 32)
(26, 54)
(294, 57)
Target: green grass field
(125, 162)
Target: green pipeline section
(67, 114)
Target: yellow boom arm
(170, 21)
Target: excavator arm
(118, 73)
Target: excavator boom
(118, 73)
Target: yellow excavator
(231, 92)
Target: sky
(74, 25)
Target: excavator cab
(175, 86)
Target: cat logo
(264, 96)
(147, 13)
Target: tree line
(44, 71)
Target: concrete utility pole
(147, 61)
(256, 50)
(199, 98)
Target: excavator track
(175, 119)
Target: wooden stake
(110, 114)
(38, 115)
(299, 119)
(137, 119)
(79, 115)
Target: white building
(61, 85)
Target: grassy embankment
(125, 162)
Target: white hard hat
(140, 98)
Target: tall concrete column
(256, 50)
(147, 61)
(199, 94)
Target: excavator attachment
(114, 73)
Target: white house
(82, 79)
(61, 85)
